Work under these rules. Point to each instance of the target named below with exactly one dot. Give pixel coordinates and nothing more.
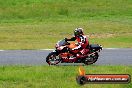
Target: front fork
(56, 51)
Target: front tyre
(52, 58)
(91, 59)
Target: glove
(65, 39)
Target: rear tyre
(91, 59)
(53, 58)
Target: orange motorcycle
(62, 54)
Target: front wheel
(52, 58)
(91, 59)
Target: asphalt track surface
(37, 57)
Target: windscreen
(61, 42)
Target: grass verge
(56, 76)
(37, 24)
(45, 35)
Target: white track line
(54, 49)
(111, 48)
(1, 50)
(103, 48)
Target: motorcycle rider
(83, 43)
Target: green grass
(45, 35)
(37, 24)
(63, 9)
(56, 76)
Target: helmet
(78, 31)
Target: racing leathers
(82, 46)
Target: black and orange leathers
(83, 44)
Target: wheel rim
(90, 59)
(53, 59)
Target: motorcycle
(62, 54)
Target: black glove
(65, 39)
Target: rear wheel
(52, 58)
(91, 59)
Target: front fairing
(60, 44)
